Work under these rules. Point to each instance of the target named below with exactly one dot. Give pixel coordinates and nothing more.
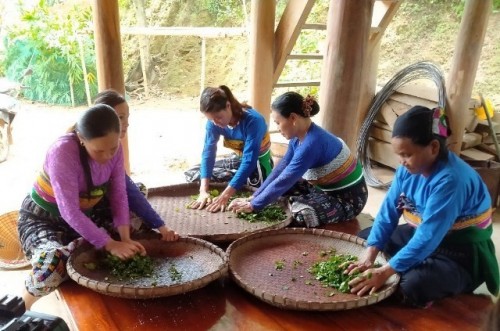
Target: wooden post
(143, 44)
(464, 65)
(108, 51)
(261, 64)
(344, 71)
(203, 63)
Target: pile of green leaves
(331, 272)
(175, 274)
(213, 194)
(270, 214)
(137, 266)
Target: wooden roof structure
(350, 59)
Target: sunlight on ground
(165, 138)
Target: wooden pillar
(464, 65)
(344, 71)
(261, 64)
(108, 51)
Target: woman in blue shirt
(245, 132)
(445, 247)
(332, 187)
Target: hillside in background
(421, 30)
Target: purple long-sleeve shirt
(63, 166)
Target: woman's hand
(371, 280)
(124, 249)
(220, 202)
(204, 198)
(168, 234)
(366, 262)
(241, 205)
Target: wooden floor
(223, 305)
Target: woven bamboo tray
(252, 264)
(199, 262)
(170, 202)
(11, 253)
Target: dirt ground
(165, 137)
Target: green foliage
(269, 214)
(225, 12)
(49, 40)
(331, 272)
(135, 267)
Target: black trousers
(444, 273)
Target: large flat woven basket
(197, 263)
(11, 253)
(171, 201)
(253, 260)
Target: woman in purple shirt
(79, 169)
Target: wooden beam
(297, 84)
(383, 12)
(313, 26)
(288, 31)
(108, 51)
(344, 69)
(464, 65)
(204, 32)
(261, 62)
(305, 57)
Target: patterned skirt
(47, 241)
(312, 207)
(225, 169)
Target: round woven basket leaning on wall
(11, 253)
(170, 203)
(195, 261)
(253, 260)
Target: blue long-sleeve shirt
(250, 130)
(454, 190)
(140, 205)
(318, 148)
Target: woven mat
(170, 202)
(198, 262)
(252, 264)
(11, 253)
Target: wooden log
(345, 52)
(487, 148)
(488, 138)
(382, 152)
(476, 154)
(471, 139)
(261, 63)
(381, 134)
(288, 30)
(462, 73)
(420, 88)
(381, 125)
(391, 110)
(108, 51)
(412, 100)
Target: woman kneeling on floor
(445, 247)
(334, 189)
